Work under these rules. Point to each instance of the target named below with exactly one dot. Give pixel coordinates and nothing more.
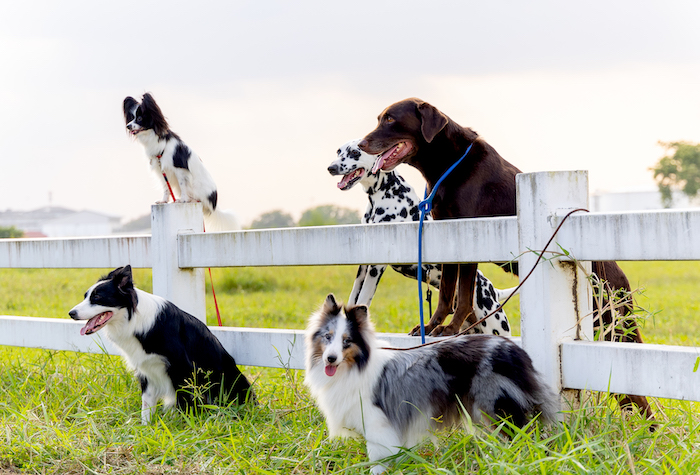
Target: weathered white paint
(182, 286)
(628, 368)
(669, 235)
(459, 240)
(102, 252)
(556, 299)
(268, 347)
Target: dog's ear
(358, 314)
(330, 305)
(128, 106)
(123, 279)
(151, 109)
(432, 121)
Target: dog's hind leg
(445, 301)
(380, 445)
(184, 179)
(369, 286)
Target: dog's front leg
(445, 301)
(369, 286)
(166, 189)
(382, 445)
(465, 301)
(148, 407)
(357, 285)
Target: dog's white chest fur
(153, 367)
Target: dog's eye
(328, 337)
(389, 118)
(346, 342)
(138, 119)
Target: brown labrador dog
(414, 132)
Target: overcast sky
(265, 92)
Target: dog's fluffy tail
(546, 402)
(222, 221)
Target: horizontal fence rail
(245, 344)
(664, 235)
(100, 252)
(459, 240)
(627, 368)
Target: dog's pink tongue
(330, 370)
(378, 164)
(346, 179)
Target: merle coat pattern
(414, 132)
(392, 199)
(393, 398)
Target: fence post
(556, 301)
(183, 287)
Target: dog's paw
(161, 202)
(416, 330)
(443, 330)
(183, 200)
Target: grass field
(66, 413)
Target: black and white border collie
(393, 200)
(165, 346)
(394, 397)
(169, 155)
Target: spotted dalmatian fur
(392, 200)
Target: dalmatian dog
(393, 200)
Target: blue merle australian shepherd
(394, 397)
(167, 348)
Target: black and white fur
(393, 398)
(393, 200)
(168, 154)
(165, 346)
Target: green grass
(69, 413)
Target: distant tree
(678, 169)
(10, 232)
(273, 219)
(329, 214)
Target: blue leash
(425, 206)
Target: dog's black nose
(332, 358)
(333, 170)
(73, 314)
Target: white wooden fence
(555, 302)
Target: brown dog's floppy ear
(330, 305)
(432, 121)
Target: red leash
(216, 303)
(213, 293)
